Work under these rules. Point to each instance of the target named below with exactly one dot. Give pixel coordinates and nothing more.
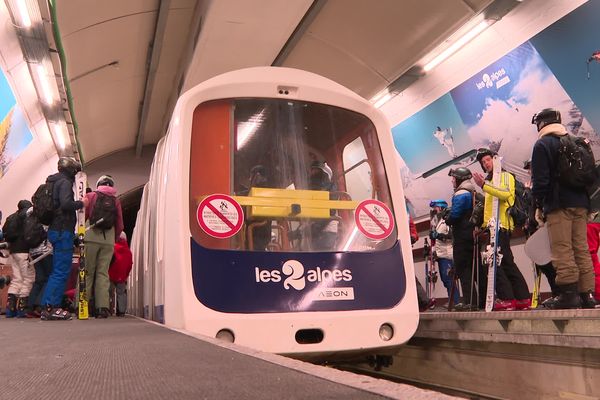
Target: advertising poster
(491, 109)
(14, 132)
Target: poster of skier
(491, 109)
(14, 132)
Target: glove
(433, 235)
(539, 217)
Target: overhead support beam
(295, 37)
(155, 50)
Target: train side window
(357, 171)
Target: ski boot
(102, 313)
(588, 300)
(22, 307)
(11, 306)
(524, 304)
(567, 299)
(505, 305)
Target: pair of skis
(82, 306)
(430, 272)
(492, 255)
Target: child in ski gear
(511, 288)
(119, 272)
(441, 238)
(61, 235)
(22, 274)
(105, 217)
(564, 208)
(463, 241)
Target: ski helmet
(460, 174)
(105, 180)
(69, 165)
(546, 117)
(438, 203)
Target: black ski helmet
(546, 117)
(461, 174)
(482, 152)
(105, 180)
(69, 165)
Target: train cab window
(297, 169)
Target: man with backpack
(561, 198)
(105, 218)
(23, 275)
(511, 288)
(61, 233)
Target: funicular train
(274, 218)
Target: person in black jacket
(61, 234)
(565, 209)
(23, 274)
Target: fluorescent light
(247, 129)
(45, 87)
(381, 98)
(23, 13)
(457, 45)
(59, 134)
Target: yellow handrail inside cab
(284, 203)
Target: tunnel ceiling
(127, 61)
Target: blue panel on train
(257, 282)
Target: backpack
(478, 208)
(43, 203)
(105, 208)
(576, 163)
(519, 211)
(33, 231)
(12, 228)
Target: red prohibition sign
(220, 216)
(374, 219)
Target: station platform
(130, 358)
(535, 354)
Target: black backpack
(105, 209)
(519, 211)
(12, 227)
(576, 163)
(33, 231)
(43, 203)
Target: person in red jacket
(593, 239)
(118, 273)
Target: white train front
(274, 217)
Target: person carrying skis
(22, 274)
(564, 208)
(441, 238)
(463, 242)
(61, 234)
(511, 288)
(118, 273)
(105, 219)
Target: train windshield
(284, 176)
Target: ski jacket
(20, 245)
(120, 267)
(460, 213)
(414, 235)
(443, 241)
(548, 193)
(65, 216)
(108, 236)
(506, 198)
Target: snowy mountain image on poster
(492, 109)
(14, 132)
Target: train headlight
(386, 332)
(226, 335)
